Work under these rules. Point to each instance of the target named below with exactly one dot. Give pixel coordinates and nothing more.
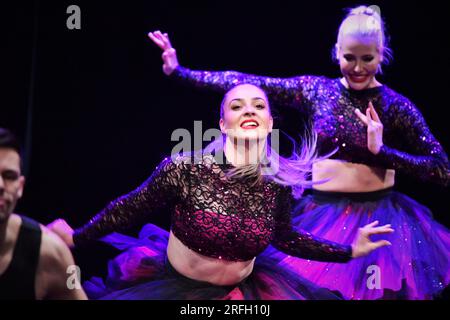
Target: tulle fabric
(142, 272)
(415, 266)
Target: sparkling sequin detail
(214, 215)
(409, 145)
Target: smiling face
(359, 60)
(11, 182)
(246, 113)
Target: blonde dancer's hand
(374, 128)
(169, 56)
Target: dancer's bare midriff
(202, 268)
(344, 177)
(351, 177)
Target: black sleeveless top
(18, 280)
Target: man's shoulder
(15, 224)
(53, 248)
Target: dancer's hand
(374, 128)
(169, 55)
(362, 245)
(63, 230)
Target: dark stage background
(98, 113)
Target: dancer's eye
(235, 107)
(349, 57)
(260, 106)
(367, 58)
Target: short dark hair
(9, 140)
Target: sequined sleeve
(302, 244)
(423, 156)
(159, 191)
(284, 91)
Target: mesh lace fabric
(409, 146)
(214, 215)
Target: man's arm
(57, 276)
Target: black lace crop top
(409, 145)
(214, 215)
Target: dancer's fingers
(361, 116)
(372, 224)
(381, 230)
(369, 118)
(166, 42)
(381, 243)
(158, 34)
(156, 40)
(373, 112)
(166, 36)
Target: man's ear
(21, 186)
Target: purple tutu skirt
(142, 272)
(416, 266)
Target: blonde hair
(365, 22)
(293, 171)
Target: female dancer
(223, 216)
(388, 134)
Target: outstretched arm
(304, 245)
(57, 275)
(284, 91)
(159, 191)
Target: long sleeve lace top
(214, 215)
(409, 146)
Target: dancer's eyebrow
(258, 98)
(241, 100)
